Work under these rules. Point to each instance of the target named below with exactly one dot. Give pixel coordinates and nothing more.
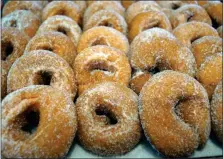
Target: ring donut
(45, 108)
(56, 42)
(220, 31)
(210, 72)
(101, 113)
(188, 32)
(62, 24)
(108, 18)
(102, 35)
(99, 64)
(216, 112)
(41, 67)
(175, 113)
(13, 43)
(23, 20)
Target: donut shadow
(214, 139)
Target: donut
(173, 5)
(108, 18)
(202, 2)
(216, 112)
(102, 35)
(139, 7)
(147, 20)
(37, 122)
(220, 31)
(188, 13)
(174, 113)
(66, 8)
(210, 72)
(206, 46)
(188, 32)
(32, 6)
(56, 42)
(23, 20)
(107, 125)
(62, 24)
(41, 67)
(127, 3)
(98, 64)
(103, 5)
(13, 43)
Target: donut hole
(105, 23)
(195, 38)
(175, 6)
(189, 18)
(13, 23)
(6, 50)
(99, 41)
(151, 24)
(61, 12)
(62, 30)
(43, 78)
(47, 48)
(100, 66)
(110, 118)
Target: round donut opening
(6, 50)
(99, 41)
(62, 30)
(105, 23)
(61, 12)
(100, 66)
(175, 6)
(151, 24)
(110, 118)
(13, 23)
(43, 78)
(47, 48)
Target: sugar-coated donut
(202, 2)
(214, 9)
(23, 20)
(56, 42)
(220, 31)
(32, 6)
(175, 113)
(127, 3)
(62, 24)
(66, 8)
(216, 112)
(147, 20)
(188, 13)
(108, 18)
(210, 72)
(140, 7)
(99, 64)
(50, 111)
(13, 43)
(206, 46)
(173, 5)
(102, 35)
(108, 122)
(103, 5)
(41, 67)
(188, 32)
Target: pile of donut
(132, 68)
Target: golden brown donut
(188, 13)
(66, 8)
(206, 46)
(108, 121)
(32, 6)
(220, 31)
(216, 112)
(147, 20)
(202, 2)
(37, 122)
(188, 32)
(175, 113)
(108, 18)
(56, 42)
(99, 64)
(23, 20)
(102, 35)
(41, 67)
(62, 24)
(140, 7)
(13, 43)
(210, 73)
(127, 3)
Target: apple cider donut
(66, 8)
(188, 13)
(173, 5)
(13, 43)
(32, 6)
(37, 122)
(99, 64)
(108, 122)
(216, 112)
(206, 46)
(41, 67)
(175, 113)
(147, 20)
(220, 31)
(62, 24)
(210, 73)
(56, 42)
(102, 35)
(108, 18)
(188, 32)
(23, 20)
